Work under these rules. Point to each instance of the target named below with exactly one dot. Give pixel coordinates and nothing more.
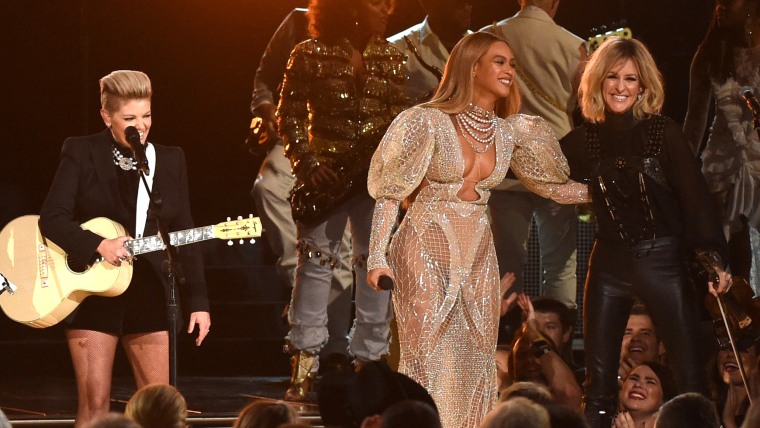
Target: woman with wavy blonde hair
(650, 202)
(650, 96)
(444, 156)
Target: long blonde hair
(612, 51)
(457, 87)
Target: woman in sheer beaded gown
(442, 157)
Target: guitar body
(49, 287)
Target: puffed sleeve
(538, 162)
(397, 169)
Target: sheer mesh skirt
(446, 303)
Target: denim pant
(271, 194)
(318, 248)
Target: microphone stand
(172, 268)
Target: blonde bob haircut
(612, 52)
(121, 86)
(457, 88)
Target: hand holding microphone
(133, 138)
(380, 279)
(385, 283)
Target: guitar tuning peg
(252, 241)
(229, 243)
(228, 219)
(242, 242)
(240, 217)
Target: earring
(641, 94)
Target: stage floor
(211, 401)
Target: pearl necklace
(125, 163)
(477, 126)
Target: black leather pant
(615, 277)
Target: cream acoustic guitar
(49, 285)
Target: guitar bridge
(42, 264)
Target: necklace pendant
(126, 163)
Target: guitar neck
(181, 237)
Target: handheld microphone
(133, 138)
(385, 283)
(748, 94)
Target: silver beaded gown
(446, 296)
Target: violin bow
(738, 357)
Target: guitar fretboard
(180, 237)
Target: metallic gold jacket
(327, 116)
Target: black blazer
(85, 186)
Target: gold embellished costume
(446, 294)
(335, 115)
(327, 116)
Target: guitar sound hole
(75, 265)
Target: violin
(742, 310)
(736, 316)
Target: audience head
(410, 413)
(563, 416)
(690, 410)
(458, 85)
(640, 340)
(111, 420)
(728, 368)
(376, 387)
(523, 365)
(333, 20)
(347, 398)
(555, 320)
(266, 414)
(616, 55)
(518, 412)
(157, 406)
(533, 391)
(646, 388)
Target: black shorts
(140, 309)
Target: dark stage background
(201, 56)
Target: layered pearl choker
(125, 163)
(477, 125)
